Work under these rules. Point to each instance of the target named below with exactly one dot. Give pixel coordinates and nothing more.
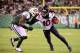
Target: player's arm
(22, 23)
(55, 20)
(22, 20)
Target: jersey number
(46, 23)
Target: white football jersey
(46, 23)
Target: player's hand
(55, 20)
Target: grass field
(36, 42)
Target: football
(55, 20)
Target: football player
(47, 19)
(19, 25)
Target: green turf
(36, 42)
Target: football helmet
(45, 12)
(34, 11)
(45, 9)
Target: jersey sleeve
(39, 17)
(51, 14)
(26, 15)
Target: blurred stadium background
(68, 12)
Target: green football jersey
(29, 21)
(16, 19)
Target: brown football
(55, 20)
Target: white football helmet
(34, 11)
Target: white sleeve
(51, 14)
(39, 17)
(26, 14)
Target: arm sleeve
(51, 14)
(39, 17)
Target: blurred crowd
(17, 6)
(13, 6)
(64, 2)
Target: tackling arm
(22, 23)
